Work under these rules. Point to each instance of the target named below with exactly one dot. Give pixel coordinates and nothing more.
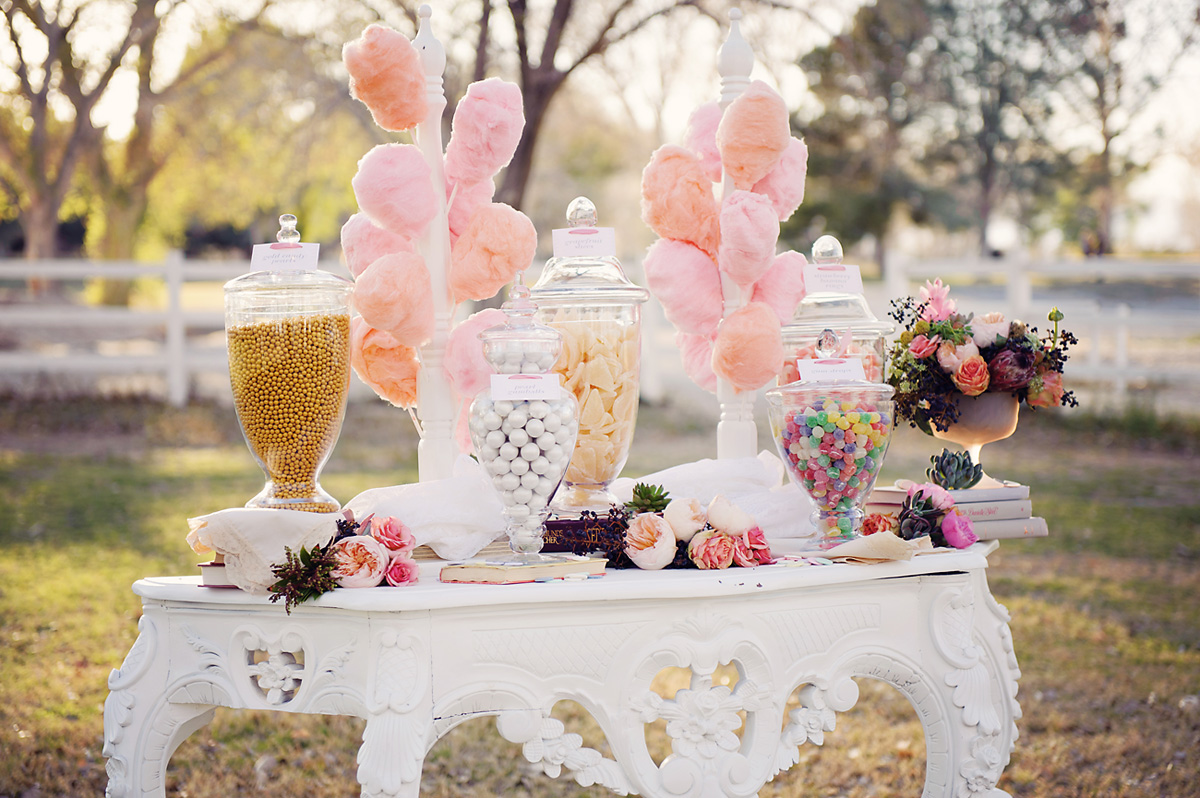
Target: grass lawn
(1106, 612)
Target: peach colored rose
(751, 549)
(686, 517)
(393, 535)
(986, 328)
(923, 346)
(958, 529)
(711, 550)
(362, 561)
(727, 517)
(650, 542)
(879, 522)
(1046, 390)
(950, 357)
(402, 570)
(972, 377)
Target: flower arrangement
(364, 553)
(942, 354)
(928, 511)
(683, 533)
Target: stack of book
(998, 513)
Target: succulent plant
(647, 499)
(916, 518)
(953, 470)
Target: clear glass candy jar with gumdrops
(832, 437)
(584, 294)
(833, 319)
(524, 426)
(287, 327)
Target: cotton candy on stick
(363, 243)
(393, 294)
(394, 189)
(753, 135)
(465, 200)
(696, 352)
(677, 198)
(748, 351)
(485, 132)
(782, 287)
(784, 184)
(386, 75)
(388, 367)
(701, 138)
(749, 230)
(498, 243)
(467, 369)
(685, 281)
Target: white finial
(735, 60)
(433, 54)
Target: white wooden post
(1019, 287)
(436, 406)
(737, 436)
(1121, 369)
(176, 342)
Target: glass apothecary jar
(584, 294)
(834, 323)
(524, 425)
(832, 437)
(288, 337)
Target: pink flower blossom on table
(686, 517)
(402, 570)
(937, 495)
(972, 377)
(938, 304)
(393, 535)
(650, 542)
(923, 346)
(987, 328)
(951, 357)
(1011, 370)
(958, 529)
(362, 561)
(751, 549)
(1046, 390)
(879, 522)
(711, 550)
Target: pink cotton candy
(701, 138)
(678, 200)
(468, 199)
(498, 243)
(363, 243)
(486, 130)
(395, 190)
(388, 367)
(696, 351)
(785, 183)
(394, 295)
(782, 287)
(753, 134)
(684, 279)
(749, 230)
(386, 75)
(465, 366)
(748, 351)
(462, 428)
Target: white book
(1011, 528)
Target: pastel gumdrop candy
(685, 281)
(393, 294)
(748, 351)
(785, 183)
(782, 287)
(363, 243)
(388, 367)
(701, 138)
(394, 189)
(753, 134)
(499, 242)
(678, 200)
(386, 75)
(749, 230)
(466, 367)
(696, 352)
(485, 132)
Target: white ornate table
(416, 661)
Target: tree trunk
(123, 215)
(516, 175)
(39, 223)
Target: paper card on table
(524, 387)
(284, 257)
(828, 369)
(842, 278)
(585, 242)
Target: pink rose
(879, 522)
(951, 357)
(923, 346)
(938, 304)
(1011, 370)
(987, 328)
(958, 529)
(751, 549)
(393, 534)
(402, 570)
(938, 496)
(1046, 390)
(972, 377)
(361, 561)
(650, 542)
(711, 550)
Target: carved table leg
(399, 718)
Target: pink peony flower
(751, 549)
(951, 357)
(393, 535)
(1010, 370)
(939, 496)
(987, 328)
(649, 542)
(362, 561)
(711, 550)
(402, 570)
(958, 529)
(1046, 390)
(879, 522)
(923, 346)
(686, 517)
(972, 377)
(938, 304)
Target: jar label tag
(284, 257)
(828, 369)
(585, 242)
(839, 278)
(521, 387)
